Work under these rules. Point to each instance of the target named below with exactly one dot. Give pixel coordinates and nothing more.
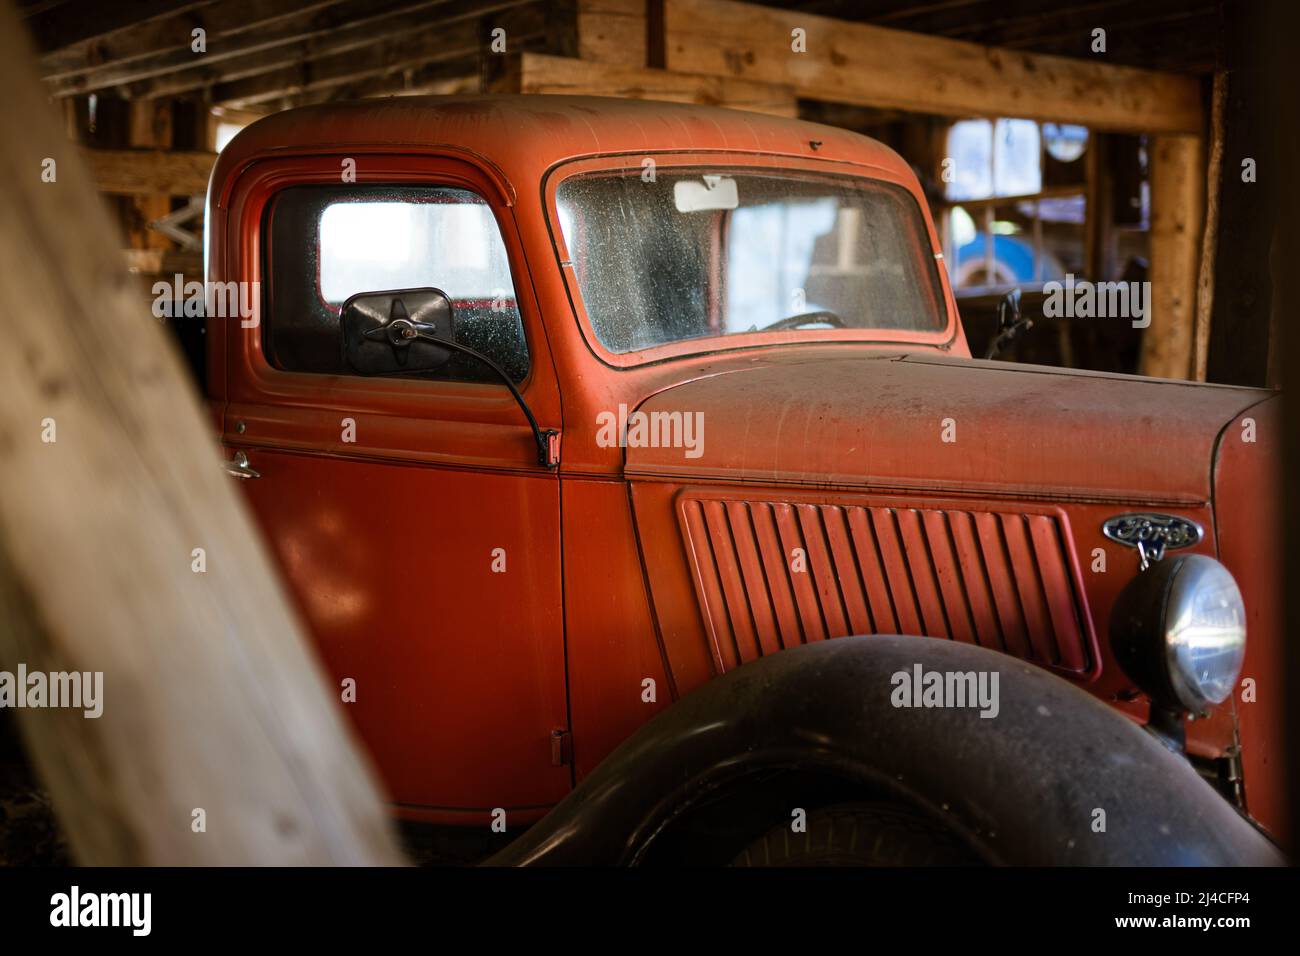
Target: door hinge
(561, 748)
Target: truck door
(414, 525)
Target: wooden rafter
(140, 44)
(326, 27)
(880, 67)
(1155, 34)
(461, 75)
(346, 56)
(84, 22)
(143, 172)
(464, 42)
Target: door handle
(238, 467)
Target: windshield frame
(631, 164)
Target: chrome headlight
(1179, 631)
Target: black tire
(858, 834)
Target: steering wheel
(805, 318)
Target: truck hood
(929, 422)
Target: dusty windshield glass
(698, 253)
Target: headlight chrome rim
(1186, 639)
(1178, 630)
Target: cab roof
(524, 135)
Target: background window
(1015, 211)
(328, 243)
(995, 158)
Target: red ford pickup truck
(621, 456)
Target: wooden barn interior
(1100, 140)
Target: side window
(324, 244)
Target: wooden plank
(539, 73)
(328, 27)
(612, 31)
(85, 21)
(163, 262)
(143, 172)
(209, 697)
(260, 78)
(875, 66)
(169, 35)
(1210, 232)
(435, 79)
(1177, 198)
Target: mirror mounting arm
(400, 332)
(1010, 323)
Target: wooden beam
(875, 66)
(171, 35)
(612, 31)
(88, 20)
(161, 262)
(348, 57)
(329, 27)
(1177, 199)
(433, 79)
(1179, 35)
(143, 172)
(209, 698)
(332, 77)
(539, 73)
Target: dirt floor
(29, 833)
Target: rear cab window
(324, 244)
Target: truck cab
(561, 413)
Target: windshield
(688, 254)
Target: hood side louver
(773, 574)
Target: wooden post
(1250, 190)
(151, 125)
(213, 708)
(1177, 195)
(1210, 232)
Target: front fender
(1022, 788)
